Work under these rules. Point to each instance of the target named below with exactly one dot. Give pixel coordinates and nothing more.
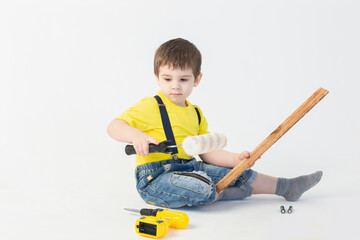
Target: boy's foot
(292, 189)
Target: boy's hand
(141, 144)
(243, 155)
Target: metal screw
(282, 209)
(290, 210)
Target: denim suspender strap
(166, 124)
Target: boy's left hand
(244, 155)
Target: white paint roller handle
(194, 145)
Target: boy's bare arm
(123, 132)
(224, 158)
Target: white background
(67, 68)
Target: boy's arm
(224, 158)
(123, 132)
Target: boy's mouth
(175, 94)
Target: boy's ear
(197, 80)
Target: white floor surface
(95, 211)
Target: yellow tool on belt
(154, 223)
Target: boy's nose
(175, 85)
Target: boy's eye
(184, 79)
(167, 79)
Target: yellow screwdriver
(155, 222)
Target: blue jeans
(177, 183)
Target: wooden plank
(271, 139)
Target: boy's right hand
(141, 144)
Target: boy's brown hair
(178, 53)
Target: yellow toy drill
(154, 223)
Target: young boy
(176, 179)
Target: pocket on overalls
(192, 181)
(194, 175)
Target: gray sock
(292, 189)
(233, 193)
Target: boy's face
(177, 84)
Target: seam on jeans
(156, 198)
(248, 175)
(215, 175)
(203, 189)
(194, 175)
(185, 198)
(162, 192)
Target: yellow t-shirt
(145, 116)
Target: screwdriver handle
(162, 148)
(149, 212)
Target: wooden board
(271, 139)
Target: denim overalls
(176, 182)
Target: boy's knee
(195, 187)
(179, 189)
(195, 182)
(235, 193)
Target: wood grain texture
(271, 139)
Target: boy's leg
(291, 189)
(257, 183)
(178, 189)
(264, 184)
(174, 183)
(238, 189)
